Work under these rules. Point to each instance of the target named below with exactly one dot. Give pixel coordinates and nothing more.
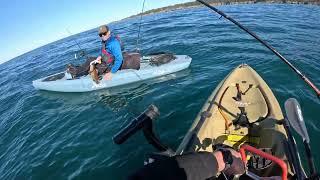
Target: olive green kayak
(242, 109)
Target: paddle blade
(295, 118)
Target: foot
(96, 81)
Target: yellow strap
(232, 138)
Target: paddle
(293, 152)
(303, 77)
(296, 120)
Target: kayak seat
(131, 61)
(251, 103)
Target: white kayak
(62, 82)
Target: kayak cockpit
(54, 77)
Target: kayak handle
(136, 124)
(254, 150)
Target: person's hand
(237, 167)
(96, 61)
(99, 58)
(108, 76)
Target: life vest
(109, 58)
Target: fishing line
(82, 52)
(137, 46)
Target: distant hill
(224, 2)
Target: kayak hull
(217, 122)
(122, 77)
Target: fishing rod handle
(312, 86)
(136, 124)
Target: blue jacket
(113, 47)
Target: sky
(29, 24)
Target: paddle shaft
(317, 91)
(310, 158)
(293, 151)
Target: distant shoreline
(222, 2)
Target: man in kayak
(110, 59)
(193, 166)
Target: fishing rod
(138, 38)
(307, 80)
(82, 52)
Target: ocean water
(47, 135)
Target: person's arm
(202, 165)
(116, 52)
(195, 166)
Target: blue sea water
(47, 135)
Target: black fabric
(160, 170)
(160, 59)
(198, 166)
(194, 166)
(82, 70)
(131, 61)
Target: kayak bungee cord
(317, 91)
(138, 38)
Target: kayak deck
(218, 121)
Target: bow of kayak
(242, 109)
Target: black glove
(234, 164)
